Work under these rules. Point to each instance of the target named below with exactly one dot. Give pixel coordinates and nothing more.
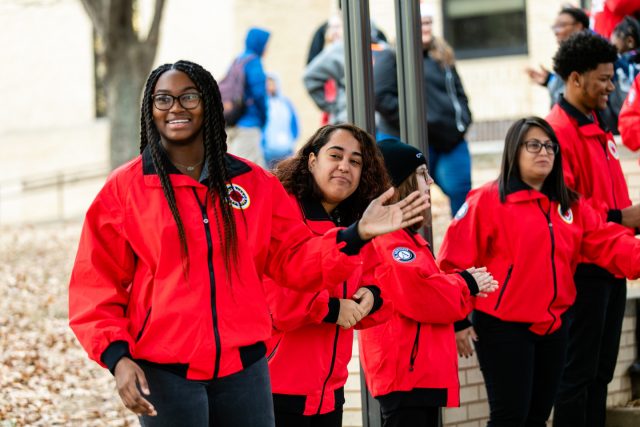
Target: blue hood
(256, 40)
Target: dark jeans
(594, 339)
(521, 370)
(412, 417)
(240, 400)
(452, 173)
(287, 419)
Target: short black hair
(628, 27)
(583, 52)
(578, 14)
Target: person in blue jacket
(246, 137)
(281, 131)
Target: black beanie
(400, 159)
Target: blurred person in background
(282, 129)
(447, 110)
(606, 14)
(245, 139)
(569, 21)
(626, 38)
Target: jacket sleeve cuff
(112, 355)
(461, 325)
(470, 281)
(546, 82)
(352, 239)
(614, 215)
(377, 299)
(334, 311)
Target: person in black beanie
(410, 362)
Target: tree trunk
(128, 58)
(124, 88)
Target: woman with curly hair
(166, 291)
(331, 179)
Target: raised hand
(379, 219)
(128, 377)
(485, 281)
(538, 76)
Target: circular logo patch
(568, 217)
(462, 211)
(238, 196)
(401, 254)
(613, 149)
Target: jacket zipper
(504, 286)
(613, 188)
(333, 356)
(553, 266)
(414, 349)
(144, 325)
(273, 352)
(212, 283)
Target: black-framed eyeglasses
(535, 146)
(188, 101)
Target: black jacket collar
(515, 184)
(581, 118)
(235, 166)
(313, 209)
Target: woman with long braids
(166, 291)
(331, 179)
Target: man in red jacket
(606, 14)
(591, 167)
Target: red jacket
(309, 352)
(591, 162)
(606, 14)
(416, 350)
(532, 250)
(128, 293)
(629, 119)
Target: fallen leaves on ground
(46, 378)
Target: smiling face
(178, 125)
(593, 87)
(337, 168)
(535, 167)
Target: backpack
(232, 91)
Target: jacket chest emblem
(462, 212)
(238, 196)
(403, 255)
(568, 217)
(613, 149)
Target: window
(478, 29)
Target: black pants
(594, 339)
(287, 419)
(242, 399)
(521, 370)
(412, 417)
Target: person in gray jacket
(448, 115)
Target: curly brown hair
(297, 179)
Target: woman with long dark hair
(332, 178)
(166, 291)
(530, 230)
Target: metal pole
(358, 65)
(360, 102)
(411, 93)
